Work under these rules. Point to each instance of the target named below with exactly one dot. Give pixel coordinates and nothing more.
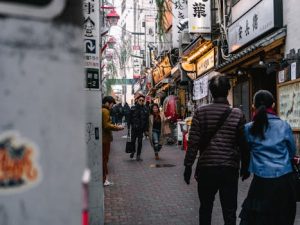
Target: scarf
(268, 110)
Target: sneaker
(107, 183)
(138, 158)
(131, 155)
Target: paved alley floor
(144, 194)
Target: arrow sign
(90, 46)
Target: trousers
(105, 157)
(210, 181)
(136, 135)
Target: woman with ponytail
(271, 198)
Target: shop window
(241, 98)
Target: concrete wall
(42, 100)
(291, 9)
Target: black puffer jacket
(228, 145)
(138, 118)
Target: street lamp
(111, 42)
(113, 17)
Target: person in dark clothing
(138, 124)
(119, 113)
(126, 111)
(219, 161)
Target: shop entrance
(241, 96)
(265, 79)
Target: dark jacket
(227, 147)
(138, 118)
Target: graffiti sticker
(19, 169)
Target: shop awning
(252, 49)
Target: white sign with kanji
(200, 88)
(257, 21)
(199, 14)
(91, 43)
(150, 28)
(91, 33)
(179, 11)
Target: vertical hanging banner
(199, 14)
(150, 28)
(179, 14)
(91, 44)
(136, 62)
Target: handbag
(296, 167)
(129, 144)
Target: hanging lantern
(113, 17)
(111, 42)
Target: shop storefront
(256, 45)
(161, 79)
(288, 97)
(199, 68)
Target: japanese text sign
(259, 20)
(179, 13)
(199, 14)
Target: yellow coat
(107, 126)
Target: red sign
(136, 47)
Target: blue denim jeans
(155, 138)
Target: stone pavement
(146, 195)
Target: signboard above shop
(261, 19)
(199, 14)
(44, 9)
(206, 62)
(241, 7)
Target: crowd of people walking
(227, 148)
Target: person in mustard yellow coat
(107, 137)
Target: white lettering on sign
(43, 11)
(206, 62)
(91, 43)
(254, 23)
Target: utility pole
(93, 131)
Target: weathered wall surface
(291, 18)
(43, 101)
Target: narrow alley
(147, 195)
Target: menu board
(289, 103)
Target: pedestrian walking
(271, 197)
(113, 114)
(158, 128)
(138, 124)
(107, 138)
(217, 134)
(119, 113)
(126, 112)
